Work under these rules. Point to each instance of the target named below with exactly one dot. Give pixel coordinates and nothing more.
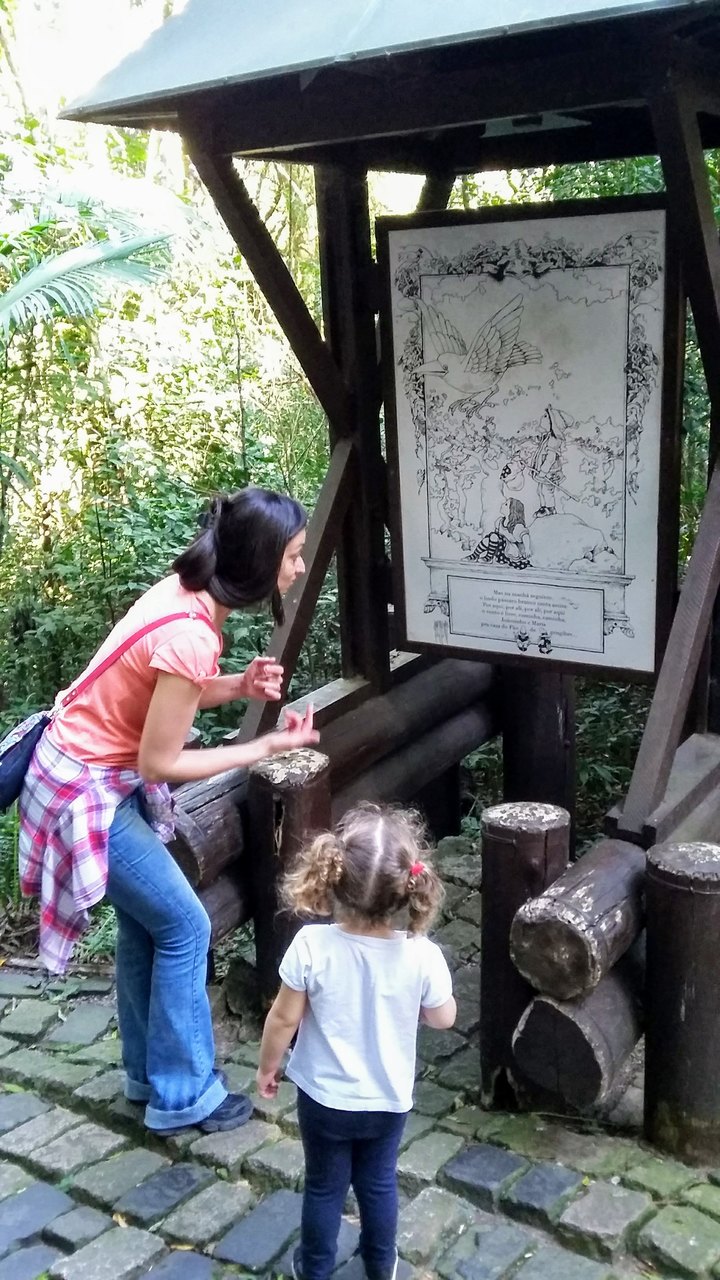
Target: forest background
(141, 370)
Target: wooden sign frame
(531, 366)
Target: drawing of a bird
(476, 370)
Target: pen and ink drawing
(528, 360)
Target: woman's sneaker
(234, 1110)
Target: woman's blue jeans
(161, 969)
(343, 1149)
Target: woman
(95, 808)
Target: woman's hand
(263, 680)
(297, 731)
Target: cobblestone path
(86, 1193)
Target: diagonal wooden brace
(254, 241)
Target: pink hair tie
(417, 868)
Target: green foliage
(69, 283)
(143, 370)
(610, 720)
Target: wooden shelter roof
(405, 84)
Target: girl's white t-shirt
(355, 1047)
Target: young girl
(354, 992)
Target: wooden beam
(700, 69)
(255, 243)
(610, 133)
(436, 190)
(565, 941)
(693, 217)
(413, 97)
(678, 671)
(354, 742)
(348, 280)
(323, 531)
(690, 201)
(577, 1049)
(399, 777)
(524, 848)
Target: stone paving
(86, 1193)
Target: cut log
(383, 725)
(524, 848)
(208, 826)
(402, 775)
(566, 940)
(682, 1043)
(227, 904)
(577, 1048)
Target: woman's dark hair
(237, 556)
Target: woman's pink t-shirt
(104, 724)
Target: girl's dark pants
(343, 1149)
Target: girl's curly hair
(374, 864)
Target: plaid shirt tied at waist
(66, 811)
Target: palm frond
(74, 283)
(15, 468)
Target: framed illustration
(526, 385)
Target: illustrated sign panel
(524, 363)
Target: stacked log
(208, 846)
(571, 944)
(524, 848)
(566, 940)
(576, 1049)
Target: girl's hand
(297, 731)
(263, 680)
(268, 1083)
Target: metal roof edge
(88, 110)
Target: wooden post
(439, 801)
(524, 848)
(682, 1039)
(566, 940)
(288, 800)
(348, 288)
(676, 125)
(537, 712)
(576, 1049)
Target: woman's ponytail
(197, 565)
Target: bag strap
(121, 649)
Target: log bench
(393, 747)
